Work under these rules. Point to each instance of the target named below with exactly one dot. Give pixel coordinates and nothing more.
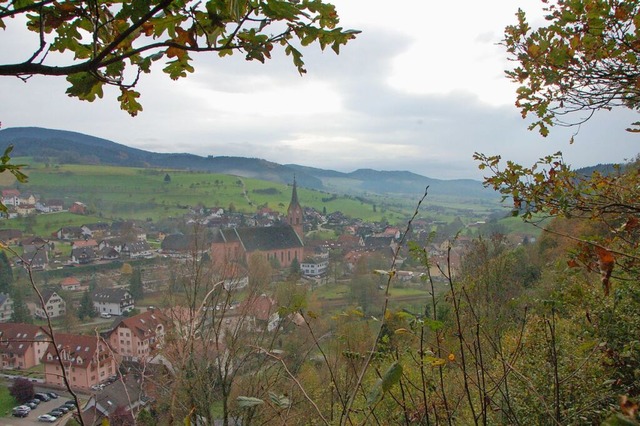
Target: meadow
(113, 193)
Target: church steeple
(294, 212)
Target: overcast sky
(421, 89)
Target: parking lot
(43, 408)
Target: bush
(21, 390)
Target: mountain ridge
(73, 147)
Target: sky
(421, 89)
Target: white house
(6, 307)
(114, 301)
(54, 304)
(314, 267)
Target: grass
(7, 402)
(134, 193)
(332, 291)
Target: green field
(113, 193)
(7, 402)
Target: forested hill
(76, 148)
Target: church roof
(268, 238)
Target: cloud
(410, 93)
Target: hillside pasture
(112, 193)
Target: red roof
(145, 324)
(84, 243)
(10, 193)
(17, 337)
(69, 281)
(261, 307)
(75, 349)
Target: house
(35, 259)
(55, 205)
(27, 199)
(379, 242)
(96, 230)
(108, 253)
(68, 233)
(278, 244)
(6, 307)
(136, 250)
(36, 242)
(22, 345)
(261, 313)
(179, 244)
(78, 208)
(10, 236)
(126, 394)
(136, 338)
(114, 301)
(54, 305)
(26, 209)
(128, 230)
(10, 197)
(87, 361)
(84, 243)
(70, 284)
(350, 242)
(83, 255)
(115, 243)
(314, 267)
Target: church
(278, 244)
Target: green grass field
(113, 193)
(121, 192)
(7, 402)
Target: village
(92, 261)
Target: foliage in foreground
(115, 43)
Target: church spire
(294, 194)
(295, 213)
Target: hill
(65, 147)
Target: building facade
(54, 305)
(136, 338)
(87, 361)
(22, 345)
(114, 301)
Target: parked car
(35, 401)
(65, 409)
(31, 405)
(42, 397)
(56, 413)
(46, 418)
(21, 411)
(105, 315)
(52, 395)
